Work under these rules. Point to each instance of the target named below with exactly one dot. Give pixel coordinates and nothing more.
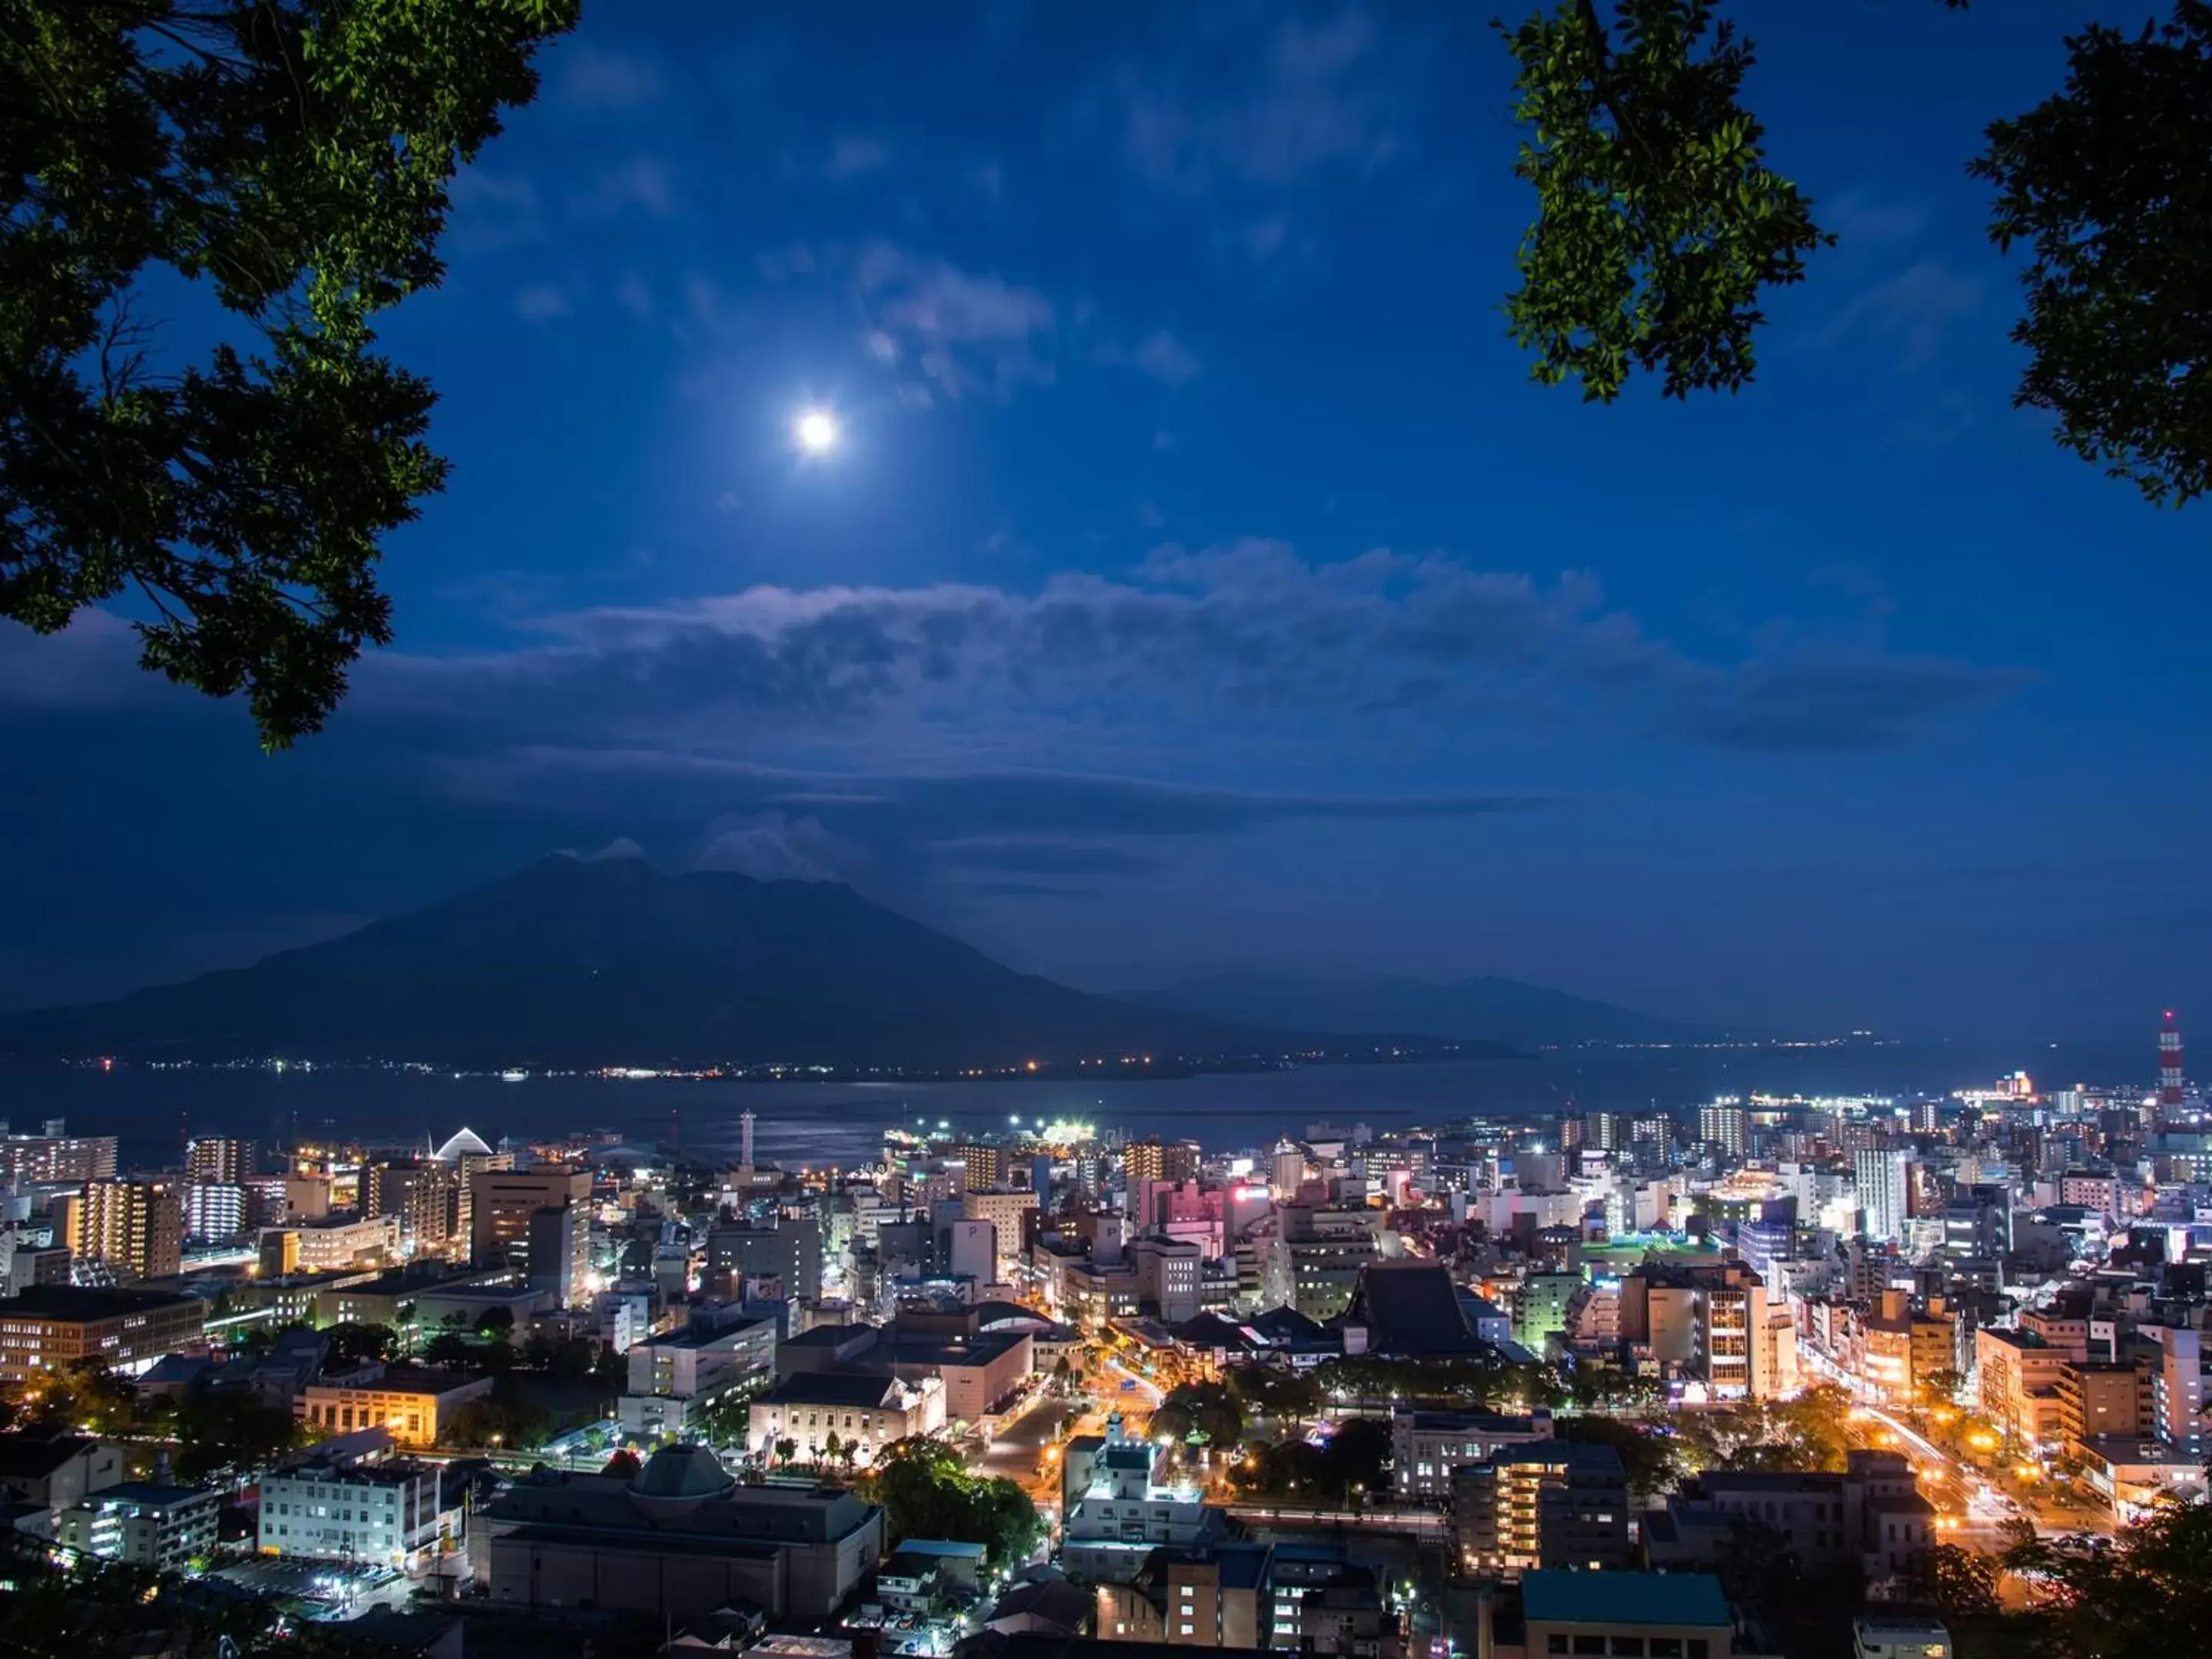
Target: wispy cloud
(1909, 315)
(543, 302)
(854, 156)
(1864, 218)
(1321, 97)
(1246, 633)
(968, 334)
(640, 183)
(591, 77)
(493, 211)
(1164, 358)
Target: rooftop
(408, 1379)
(2125, 1448)
(942, 1546)
(151, 1494)
(840, 1389)
(1413, 1309)
(77, 1302)
(1624, 1598)
(465, 1143)
(1901, 1627)
(30, 1457)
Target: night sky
(1199, 582)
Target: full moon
(816, 431)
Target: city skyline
(1194, 581)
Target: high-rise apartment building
(135, 1227)
(1541, 1503)
(54, 1157)
(1722, 1125)
(1883, 1179)
(2177, 1387)
(985, 1164)
(425, 1195)
(1143, 1160)
(214, 1209)
(219, 1160)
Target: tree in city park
(926, 1492)
(624, 1463)
(1206, 1408)
(356, 1345)
(294, 155)
(1661, 225)
(1358, 1454)
(1782, 1435)
(1269, 1391)
(786, 1450)
(1650, 1459)
(511, 1424)
(448, 1348)
(231, 1433)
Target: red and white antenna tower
(2169, 1063)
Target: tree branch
(1601, 82)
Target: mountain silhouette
(609, 961)
(1503, 1010)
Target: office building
(49, 1326)
(1009, 1210)
(413, 1404)
(674, 1379)
(146, 1523)
(789, 1250)
(677, 1539)
(502, 1204)
(1704, 1320)
(1871, 1515)
(137, 1228)
(972, 1254)
(353, 1501)
(220, 1160)
(1541, 1503)
(1319, 1603)
(1167, 1277)
(330, 1246)
(560, 1254)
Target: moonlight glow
(816, 431)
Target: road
(1016, 1452)
(1959, 1491)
